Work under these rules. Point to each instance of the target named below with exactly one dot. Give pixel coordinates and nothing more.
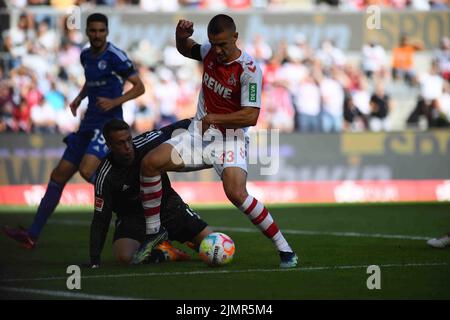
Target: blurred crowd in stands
(174, 5)
(304, 89)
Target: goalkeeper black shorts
(181, 222)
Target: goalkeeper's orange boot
(172, 253)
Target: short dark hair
(97, 17)
(221, 23)
(112, 126)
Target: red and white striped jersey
(229, 87)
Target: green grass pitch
(335, 244)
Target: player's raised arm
(183, 33)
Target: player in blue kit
(105, 68)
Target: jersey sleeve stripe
(122, 56)
(101, 178)
(104, 176)
(145, 140)
(143, 137)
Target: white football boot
(440, 242)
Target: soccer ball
(217, 249)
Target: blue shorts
(84, 142)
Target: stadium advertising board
(268, 192)
(360, 156)
(349, 30)
(364, 167)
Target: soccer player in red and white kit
(230, 98)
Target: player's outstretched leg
(262, 219)
(234, 180)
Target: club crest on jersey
(211, 65)
(98, 203)
(102, 64)
(232, 80)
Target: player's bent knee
(124, 249)
(86, 173)
(146, 165)
(61, 175)
(151, 164)
(124, 254)
(56, 175)
(236, 196)
(124, 258)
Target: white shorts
(213, 149)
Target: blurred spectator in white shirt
(43, 117)
(66, 57)
(422, 5)
(373, 60)
(65, 120)
(18, 3)
(171, 57)
(19, 38)
(166, 94)
(432, 88)
(47, 38)
(329, 55)
(332, 94)
(431, 83)
(299, 50)
(159, 5)
(145, 54)
(292, 72)
(145, 111)
(307, 103)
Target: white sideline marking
(202, 272)
(64, 294)
(331, 233)
(285, 231)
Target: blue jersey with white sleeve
(105, 75)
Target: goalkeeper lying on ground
(117, 189)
